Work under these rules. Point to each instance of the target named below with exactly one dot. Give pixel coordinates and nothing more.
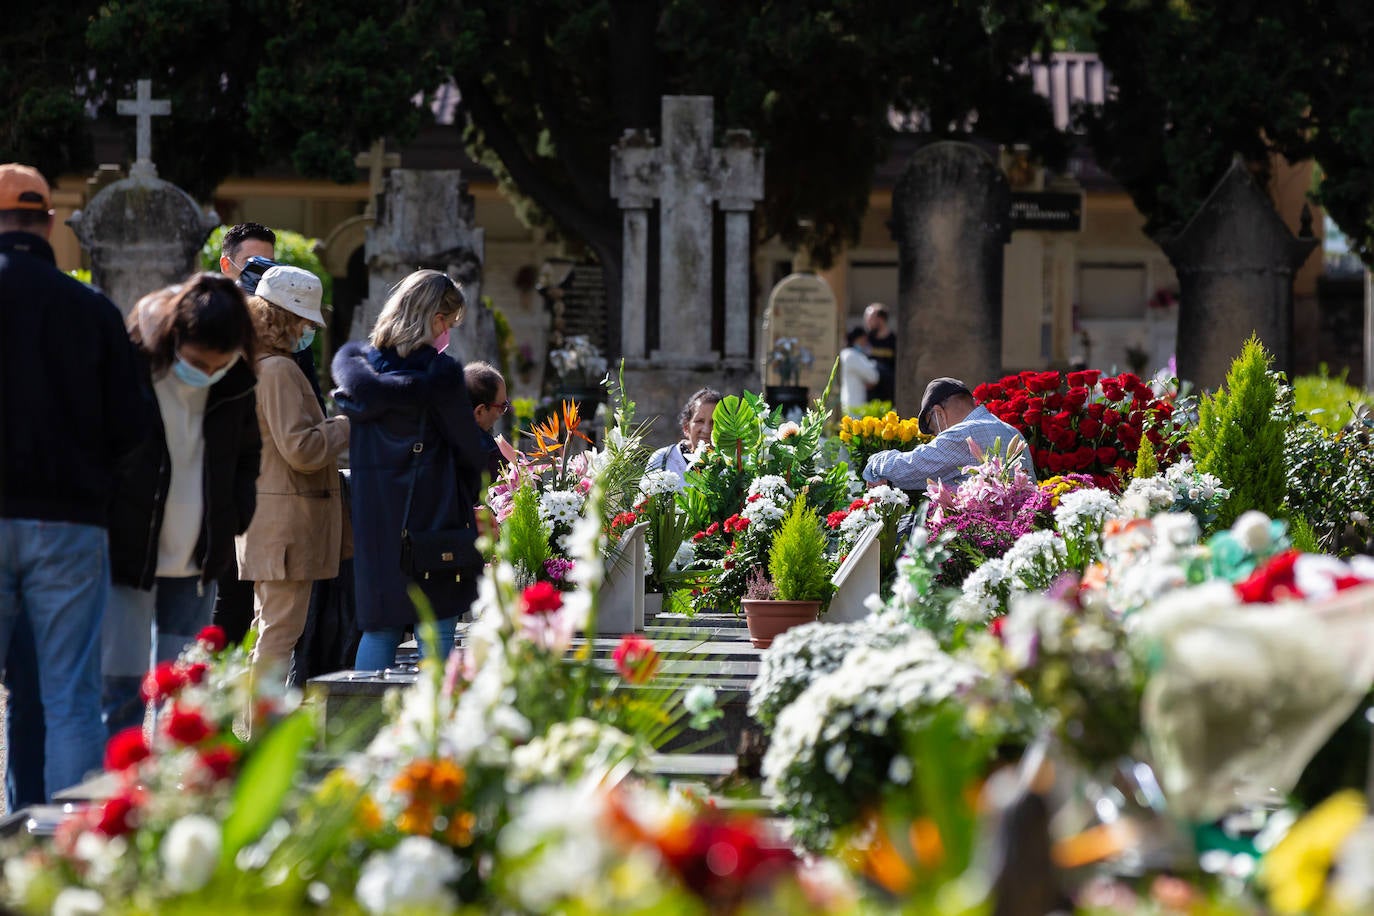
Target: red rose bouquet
(1084, 422)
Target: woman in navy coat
(385, 390)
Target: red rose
(163, 681)
(1031, 416)
(1106, 455)
(1054, 401)
(119, 815)
(989, 391)
(1085, 377)
(187, 726)
(1083, 456)
(636, 659)
(1047, 381)
(1274, 581)
(196, 673)
(1096, 409)
(219, 761)
(541, 598)
(1089, 427)
(126, 748)
(1075, 398)
(1129, 436)
(1111, 417)
(213, 637)
(1111, 389)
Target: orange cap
(23, 187)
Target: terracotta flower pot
(767, 619)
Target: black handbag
(431, 555)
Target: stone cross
(376, 160)
(144, 108)
(686, 174)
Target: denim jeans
(177, 609)
(377, 649)
(23, 722)
(57, 575)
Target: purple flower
(557, 568)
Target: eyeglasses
(504, 406)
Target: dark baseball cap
(937, 392)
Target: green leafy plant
(1327, 400)
(1145, 463)
(1240, 434)
(525, 535)
(796, 561)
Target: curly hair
(276, 326)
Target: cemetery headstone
(802, 306)
(142, 233)
(622, 595)
(686, 175)
(425, 220)
(951, 218)
(1235, 262)
(857, 578)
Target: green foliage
(1327, 400)
(1240, 434)
(1331, 483)
(43, 65)
(267, 778)
(505, 339)
(525, 535)
(796, 561)
(736, 425)
(292, 248)
(1145, 463)
(875, 409)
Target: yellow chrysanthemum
(1295, 870)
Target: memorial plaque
(857, 578)
(803, 306)
(1047, 211)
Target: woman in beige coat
(296, 533)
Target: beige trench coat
(297, 530)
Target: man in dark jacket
(71, 410)
(487, 392)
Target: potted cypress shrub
(798, 578)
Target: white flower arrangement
(561, 507)
(568, 750)
(984, 593)
(657, 483)
(578, 361)
(771, 487)
(414, 877)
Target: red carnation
(636, 659)
(187, 726)
(699, 536)
(713, 528)
(836, 519)
(219, 761)
(741, 523)
(541, 598)
(196, 673)
(1274, 581)
(118, 815)
(213, 637)
(163, 681)
(126, 748)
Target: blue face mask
(306, 340)
(198, 378)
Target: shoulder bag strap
(416, 450)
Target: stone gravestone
(857, 578)
(142, 233)
(951, 218)
(1235, 262)
(575, 297)
(622, 596)
(686, 175)
(425, 220)
(803, 306)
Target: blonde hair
(276, 327)
(404, 324)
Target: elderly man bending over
(949, 412)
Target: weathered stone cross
(376, 160)
(145, 108)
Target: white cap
(298, 291)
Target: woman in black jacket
(413, 427)
(189, 490)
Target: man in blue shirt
(948, 411)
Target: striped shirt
(945, 457)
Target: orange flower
(571, 421)
(431, 782)
(459, 830)
(416, 819)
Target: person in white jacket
(858, 372)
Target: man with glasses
(487, 391)
(953, 417)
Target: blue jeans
(177, 608)
(57, 575)
(24, 722)
(377, 648)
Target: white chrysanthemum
(560, 506)
(685, 556)
(888, 496)
(415, 876)
(1035, 559)
(981, 597)
(190, 853)
(655, 483)
(20, 872)
(699, 699)
(1085, 509)
(772, 487)
(78, 901)
(567, 751)
(1174, 530)
(764, 511)
(857, 521)
(548, 841)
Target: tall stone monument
(142, 233)
(686, 175)
(1235, 262)
(425, 220)
(951, 218)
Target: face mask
(306, 340)
(441, 342)
(188, 374)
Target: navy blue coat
(384, 397)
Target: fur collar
(371, 382)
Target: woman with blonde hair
(416, 462)
(297, 531)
